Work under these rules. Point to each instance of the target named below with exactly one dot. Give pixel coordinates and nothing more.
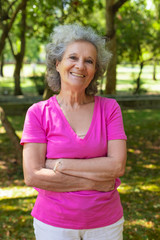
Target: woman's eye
(73, 57)
(89, 61)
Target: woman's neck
(73, 100)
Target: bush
(39, 83)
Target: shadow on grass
(141, 215)
(9, 170)
(15, 218)
(140, 195)
(140, 211)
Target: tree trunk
(112, 8)
(154, 71)
(17, 71)
(2, 65)
(111, 71)
(3, 38)
(139, 78)
(111, 45)
(12, 135)
(19, 57)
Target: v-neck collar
(69, 126)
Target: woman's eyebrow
(90, 58)
(74, 53)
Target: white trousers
(47, 232)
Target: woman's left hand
(103, 186)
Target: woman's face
(78, 65)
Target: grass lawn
(126, 76)
(140, 192)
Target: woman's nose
(80, 65)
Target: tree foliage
(8, 13)
(138, 34)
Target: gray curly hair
(60, 38)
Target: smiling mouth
(78, 75)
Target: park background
(132, 32)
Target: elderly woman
(75, 145)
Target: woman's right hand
(102, 186)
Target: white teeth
(77, 75)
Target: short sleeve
(115, 128)
(33, 130)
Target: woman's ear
(57, 65)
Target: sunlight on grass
(135, 151)
(27, 82)
(151, 166)
(2, 166)
(141, 222)
(17, 191)
(124, 188)
(128, 72)
(19, 133)
(2, 130)
(26, 71)
(150, 187)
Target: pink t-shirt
(46, 123)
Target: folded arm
(37, 175)
(100, 168)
